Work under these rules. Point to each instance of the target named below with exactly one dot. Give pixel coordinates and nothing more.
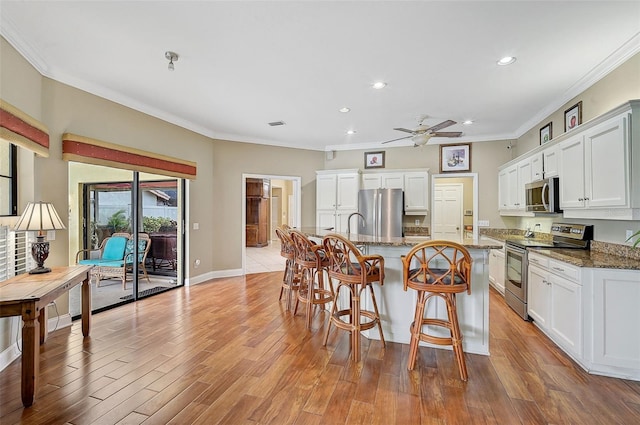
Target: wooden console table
(28, 295)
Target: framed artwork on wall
(546, 133)
(374, 159)
(573, 117)
(455, 158)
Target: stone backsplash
(416, 231)
(616, 249)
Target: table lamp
(40, 216)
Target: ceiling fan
(422, 133)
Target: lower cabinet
(614, 340)
(590, 313)
(496, 268)
(555, 302)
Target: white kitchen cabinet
(416, 192)
(496, 268)
(383, 180)
(615, 339)
(511, 183)
(550, 161)
(336, 198)
(594, 171)
(538, 295)
(537, 170)
(554, 302)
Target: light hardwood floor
(227, 352)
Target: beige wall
(616, 88)
(619, 86)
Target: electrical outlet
(417, 222)
(196, 226)
(483, 223)
(196, 263)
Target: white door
(447, 213)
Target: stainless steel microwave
(543, 196)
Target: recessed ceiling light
(344, 110)
(379, 85)
(351, 132)
(467, 122)
(507, 60)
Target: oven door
(515, 293)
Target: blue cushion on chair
(103, 263)
(114, 248)
(142, 244)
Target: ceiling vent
(276, 123)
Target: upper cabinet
(393, 180)
(416, 192)
(595, 164)
(511, 182)
(594, 172)
(415, 184)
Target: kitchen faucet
(364, 222)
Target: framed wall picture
(573, 117)
(546, 133)
(374, 159)
(455, 158)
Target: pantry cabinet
(336, 198)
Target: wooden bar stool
(355, 273)
(290, 278)
(312, 263)
(440, 269)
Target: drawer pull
(558, 269)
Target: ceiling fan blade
(443, 124)
(405, 130)
(448, 134)
(395, 140)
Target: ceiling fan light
(421, 139)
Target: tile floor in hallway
(265, 259)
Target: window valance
(23, 130)
(91, 151)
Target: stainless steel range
(572, 236)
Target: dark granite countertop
(601, 255)
(481, 243)
(590, 258)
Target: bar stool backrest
(307, 253)
(347, 264)
(438, 266)
(286, 243)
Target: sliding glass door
(112, 208)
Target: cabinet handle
(586, 199)
(580, 199)
(558, 269)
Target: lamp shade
(39, 216)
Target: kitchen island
(397, 306)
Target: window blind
(15, 257)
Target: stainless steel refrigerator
(382, 210)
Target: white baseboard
(212, 275)
(9, 355)
(12, 352)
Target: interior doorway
(285, 206)
(448, 211)
(469, 210)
